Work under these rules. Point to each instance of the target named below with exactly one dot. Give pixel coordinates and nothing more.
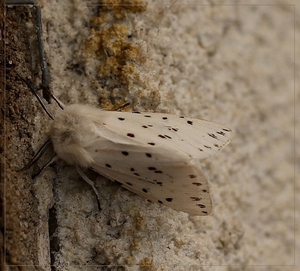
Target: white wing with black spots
(154, 155)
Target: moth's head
(68, 133)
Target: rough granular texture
(232, 64)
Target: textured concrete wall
(232, 63)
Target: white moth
(154, 155)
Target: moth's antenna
(43, 63)
(33, 90)
(39, 32)
(45, 72)
(52, 159)
(44, 86)
(37, 156)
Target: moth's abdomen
(73, 133)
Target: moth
(154, 155)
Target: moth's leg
(91, 183)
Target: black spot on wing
(195, 198)
(212, 135)
(130, 134)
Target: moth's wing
(167, 176)
(197, 138)
(181, 187)
(156, 156)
